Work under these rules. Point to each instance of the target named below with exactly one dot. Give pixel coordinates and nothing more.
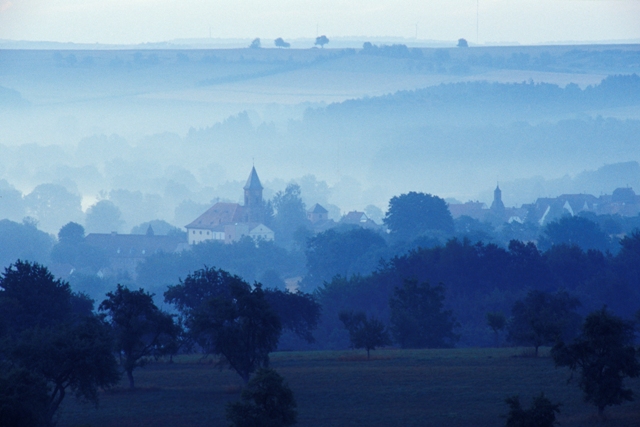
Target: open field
(457, 387)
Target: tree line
(54, 343)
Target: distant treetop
(255, 44)
(321, 41)
(279, 42)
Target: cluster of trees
(53, 342)
(602, 355)
(279, 42)
(500, 98)
(484, 278)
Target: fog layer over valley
(164, 133)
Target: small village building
(229, 222)
(317, 213)
(360, 219)
(125, 251)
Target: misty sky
(139, 21)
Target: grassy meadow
(452, 387)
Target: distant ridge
(354, 42)
(218, 43)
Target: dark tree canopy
(24, 399)
(23, 241)
(542, 318)
(242, 328)
(497, 322)
(198, 287)
(462, 43)
(71, 249)
(227, 317)
(290, 214)
(75, 357)
(365, 332)
(279, 42)
(31, 297)
(72, 232)
(255, 44)
(298, 312)
(321, 41)
(53, 334)
(603, 355)
(574, 230)
(104, 217)
(267, 401)
(418, 318)
(542, 412)
(141, 329)
(332, 253)
(414, 214)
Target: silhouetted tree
(75, 357)
(541, 414)
(71, 249)
(604, 355)
(241, 327)
(542, 318)
(462, 43)
(104, 217)
(413, 214)
(227, 317)
(52, 333)
(497, 322)
(321, 41)
(23, 241)
(24, 398)
(418, 318)
(365, 332)
(255, 44)
(290, 214)
(333, 252)
(71, 232)
(279, 42)
(298, 312)
(473, 229)
(31, 297)
(267, 401)
(53, 206)
(574, 230)
(141, 329)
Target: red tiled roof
(220, 213)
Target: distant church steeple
(497, 205)
(253, 197)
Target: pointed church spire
(253, 204)
(497, 205)
(253, 183)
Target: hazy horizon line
(344, 43)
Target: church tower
(253, 198)
(497, 205)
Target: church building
(229, 222)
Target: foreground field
(459, 387)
